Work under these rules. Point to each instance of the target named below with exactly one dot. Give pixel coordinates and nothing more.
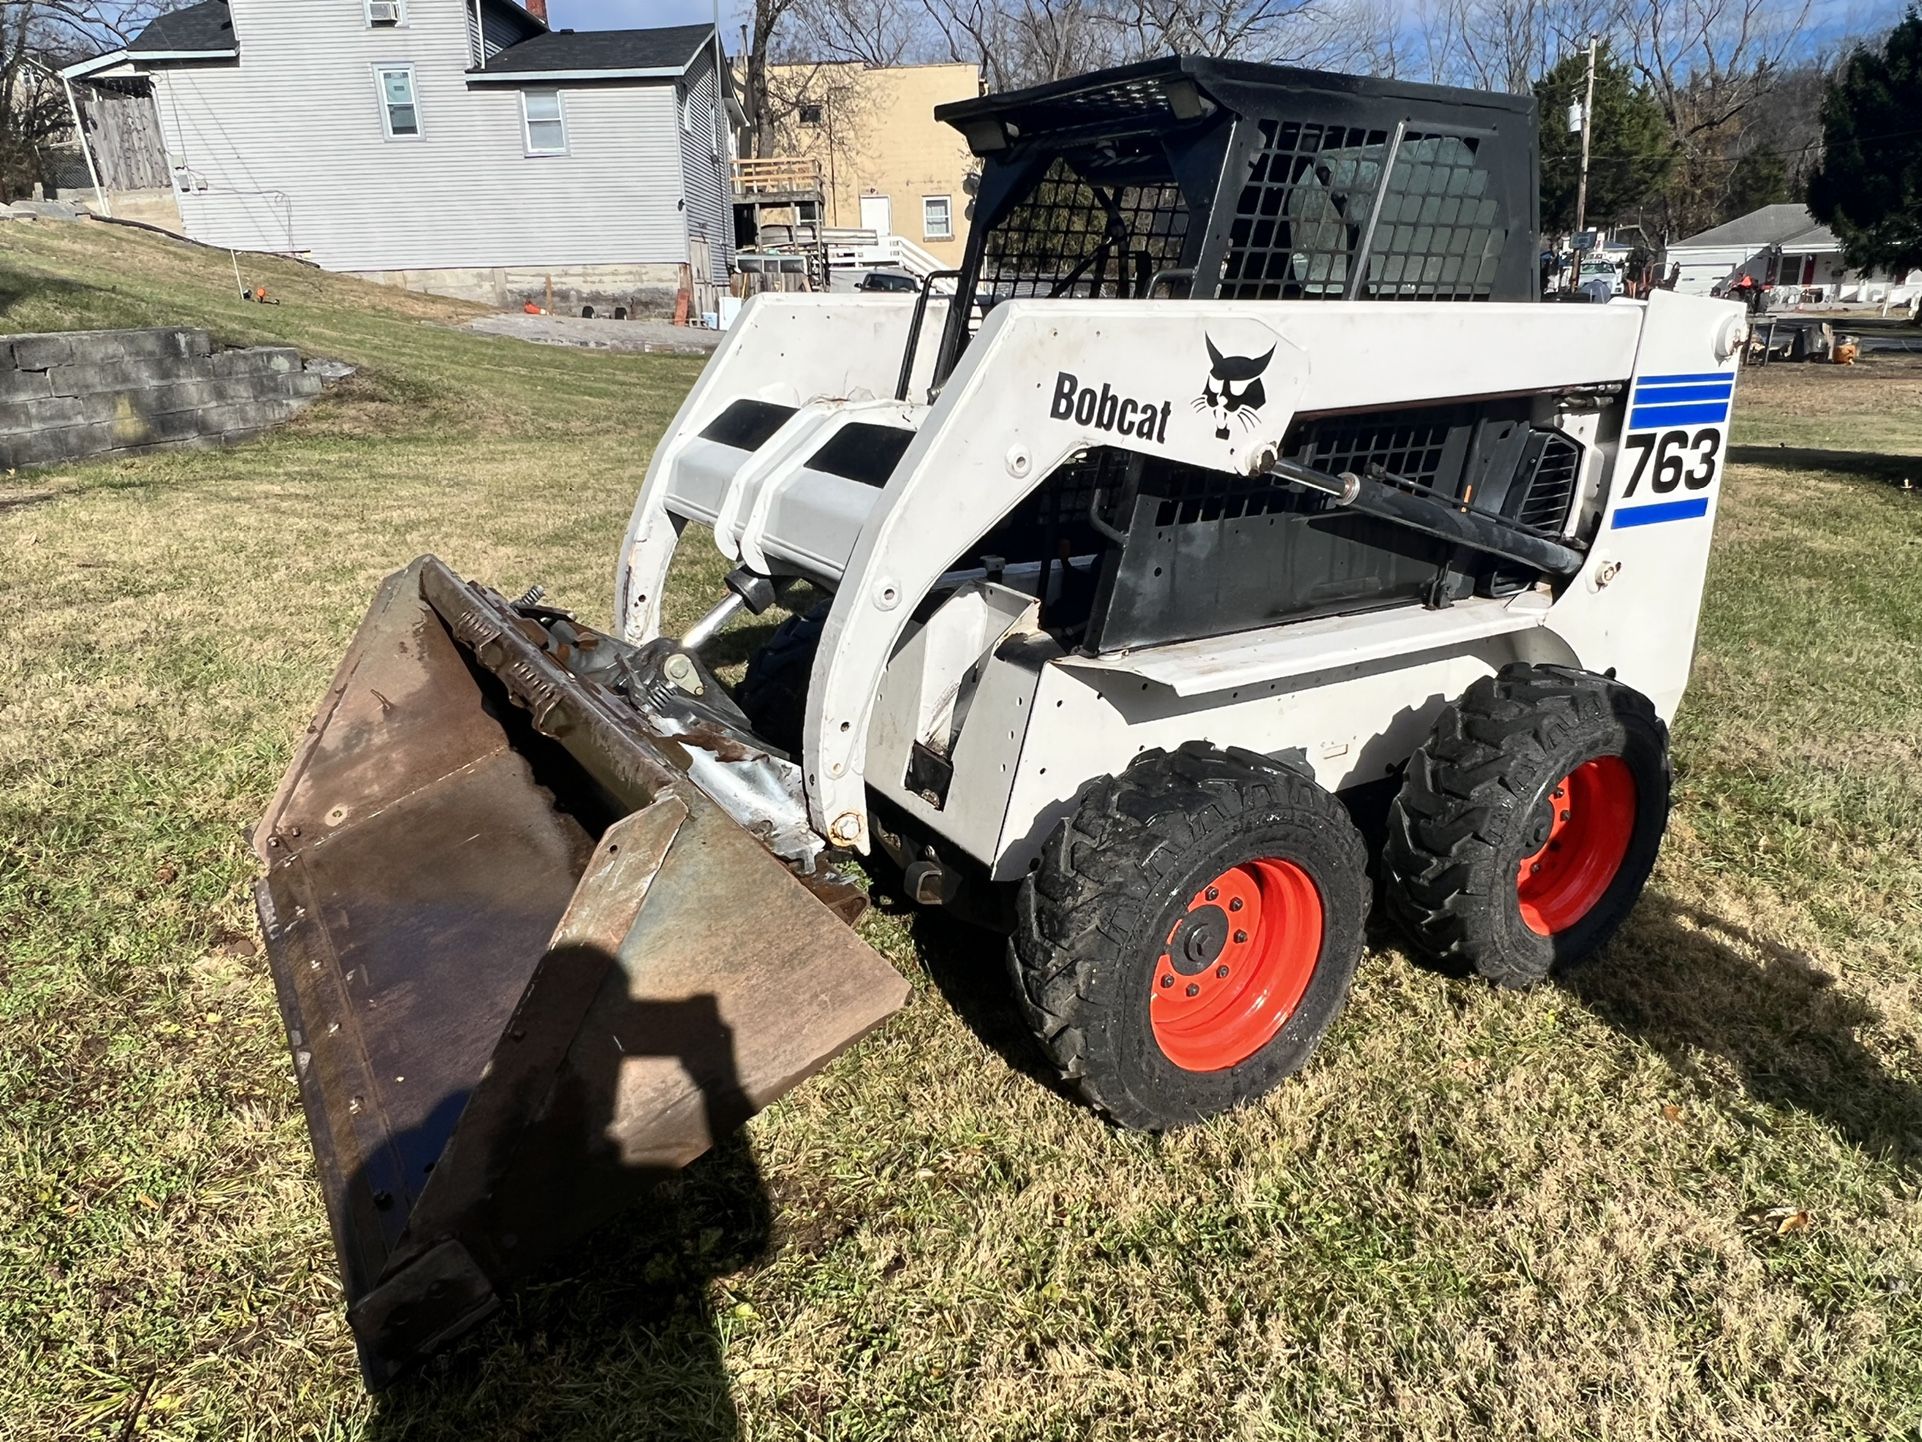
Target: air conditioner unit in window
(383, 12)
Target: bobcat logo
(1233, 388)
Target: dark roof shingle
(202, 27)
(670, 47)
(1770, 225)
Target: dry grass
(1537, 1216)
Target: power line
(1800, 150)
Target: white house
(455, 146)
(1785, 248)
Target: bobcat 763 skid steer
(1240, 479)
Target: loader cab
(1217, 179)
(1221, 180)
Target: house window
(384, 13)
(546, 122)
(810, 112)
(937, 217)
(398, 113)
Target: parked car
(889, 281)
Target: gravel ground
(642, 335)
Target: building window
(546, 122)
(937, 217)
(383, 13)
(810, 112)
(398, 113)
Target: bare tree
(1023, 42)
(1708, 60)
(1027, 42)
(1502, 45)
(879, 33)
(1708, 63)
(758, 105)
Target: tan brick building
(887, 164)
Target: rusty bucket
(526, 966)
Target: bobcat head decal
(1233, 388)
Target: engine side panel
(1044, 381)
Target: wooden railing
(777, 175)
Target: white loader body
(918, 650)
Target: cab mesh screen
(1439, 236)
(1300, 218)
(1077, 233)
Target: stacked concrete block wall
(65, 396)
(645, 292)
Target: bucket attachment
(527, 967)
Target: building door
(877, 214)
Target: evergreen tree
(1868, 188)
(1630, 152)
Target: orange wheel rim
(1583, 838)
(1236, 964)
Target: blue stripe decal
(1666, 511)
(1685, 380)
(1707, 413)
(1668, 395)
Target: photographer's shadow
(618, 1336)
(1693, 985)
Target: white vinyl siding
(496, 29)
(292, 152)
(399, 111)
(545, 119)
(704, 163)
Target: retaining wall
(68, 395)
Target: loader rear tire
(1189, 934)
(774, 691)
(1528, 822)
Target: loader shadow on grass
(968, 966)
(1865, 465)
(1694, 986)
(615, 1335)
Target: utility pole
(1581, 186)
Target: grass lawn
(1677, 1198)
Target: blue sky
(620, 14)
(1827, 18)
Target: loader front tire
(1190, 932)
(1528, 822)
(774, 691)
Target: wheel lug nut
(1221, 971)
(1167, 981)
(1564, 816)
(1241, 936)
(1235, 905)
(1212, 892)
(1534, 867)
(1193, 990)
